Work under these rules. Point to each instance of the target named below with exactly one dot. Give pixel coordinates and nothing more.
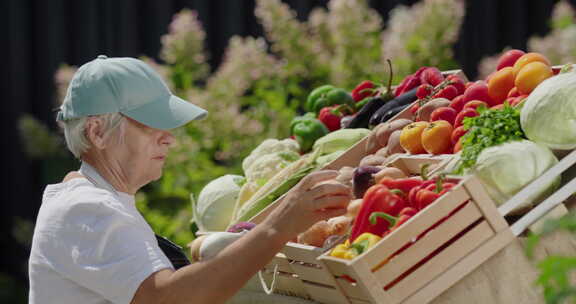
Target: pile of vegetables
(270, 170)
(494, 147)
(503, 135)
(390, 201)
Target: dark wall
(39, 35)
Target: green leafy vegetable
(490, 128)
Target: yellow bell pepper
(366, 240)
(344, 251)
(361, 244)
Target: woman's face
(142, 152)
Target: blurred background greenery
(261, 84)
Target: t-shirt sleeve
(106, 249)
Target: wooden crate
(413, 163)
(463, 219)
(298, 267)
(474, 231)
(302, 275)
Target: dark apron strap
(173, 252)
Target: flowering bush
(263, 82)
(423, 35)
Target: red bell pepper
(408, 211)
(378, 198)
(412, 202)
(427, 194)
(446, 187)
(402, 184)
(394, 221)
(425, 197)
(330, 118)
(410, 82)
(365, 89)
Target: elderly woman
(91, 245)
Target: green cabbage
(549, 113)
(215, 206)
(506, 169)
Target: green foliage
(39, 141)
(556, 272)
(263, 83)
(563, 15)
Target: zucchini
(276, 187)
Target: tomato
(410, 137)
(437, 137)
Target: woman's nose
(167, 138)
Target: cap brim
(167, 115)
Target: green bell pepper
(315, 95)
(336, 96)
(299, 119)
(326, 96)
(307, 129)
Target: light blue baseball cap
(129, 86)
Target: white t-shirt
(90, 245)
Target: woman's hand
(215, 280)
(308, 202)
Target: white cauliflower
(266, 166)
(268, 146)
(269, 158)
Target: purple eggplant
(345, 121)
(363, 179)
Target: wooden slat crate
(463, 219)
(413, 164)
(304, 276)
(474, 230)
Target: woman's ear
(94, 133)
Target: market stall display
(436, 178)
(298, 265)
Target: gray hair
(75, 135)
